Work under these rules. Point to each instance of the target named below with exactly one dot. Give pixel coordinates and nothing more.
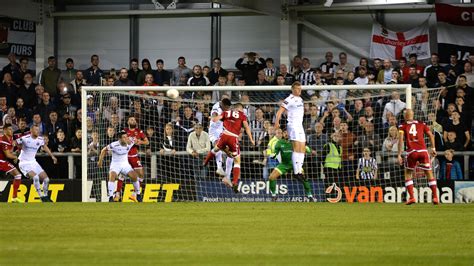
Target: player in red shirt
(139, 138)
(6, 145)
(233, 120)
(417, 154)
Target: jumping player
(417, 154)
(120, 165)
(139, 138)
(233, 120)
(28, 164)
(294, 105)
(6, 145)
(215, 130)
(285, 149)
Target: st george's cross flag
(388, 44)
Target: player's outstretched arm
(48, 151)
(249, 132)
(278, 117)
(101, 156)
(400, 146)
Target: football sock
(136, 187)
(111, 187)
(409, 186)
(273, 184)
(16, 185)
(209, 156)
(36, 184)
(307, 188)
(432, 183)
(228, 166)
(119, 185)
(300, 161)
(45, 186)
(294, 160)
(236, 173)
(219, 159)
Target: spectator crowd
(358, 122)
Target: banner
(17, 36)
(455, 31)
(464, 191)
(387, 44)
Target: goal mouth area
(210, 189)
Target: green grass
(236, 233)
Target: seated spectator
(231, 80)
(384, 76)
(395, 78)
(123, 79)
(38, 122)
(216, 94)
(21, 111)
(261, 79)
(362, 78)
(367, 166)
(452, 142)
(39, 90)
(462, 130)
(289, 78)
(11, 117)
(198, 145)
(169, 142)
(450, 169)
(109, 135)
(468, 74)
(350, 80)
(22, 130)
(344, 65)
(369, 138)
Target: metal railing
(154, 159)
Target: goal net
(363, 120)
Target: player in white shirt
(294, 106)
(28, 164)
(120, 165)
(215, 130)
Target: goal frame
(86, 89)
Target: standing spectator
(317, 140)
(369, 138)
(76, 141)
(454, 68)
(462, 130)
(270, 70)
(217, 71)
(257, 125)
(310, 120)
(94, 74)
(59, 143)
(395, 106)
(12, 66)
(452, 141)
(412, 58)
(78, 81)
(306, 75)
(468, 74)
(185, 125)
(169, 143)
(431, 71)
(146, 69)
(289, 78)
(49, 77)
(23, 129)
(27, 91)
(390, 144)
(198, 146)
(69, 74)
(450, 169)
(134, 71)
(46, 107)
(67, 111)
(413, 77)
(19, 75)
(348, 150)
(251, 67)
(344, 65)
(123, 78)
(75, 124)
(367, 166)
(181, 73)
(363, 62)
(112, 108)
(216, 94)
(384, 76)
(249, 109)
(331, 156)
(160, 75)
(329, 67)
(9, 89)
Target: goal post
(164, 169)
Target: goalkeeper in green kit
(285, 149)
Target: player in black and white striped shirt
(367, 166)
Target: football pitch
(236, 233)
